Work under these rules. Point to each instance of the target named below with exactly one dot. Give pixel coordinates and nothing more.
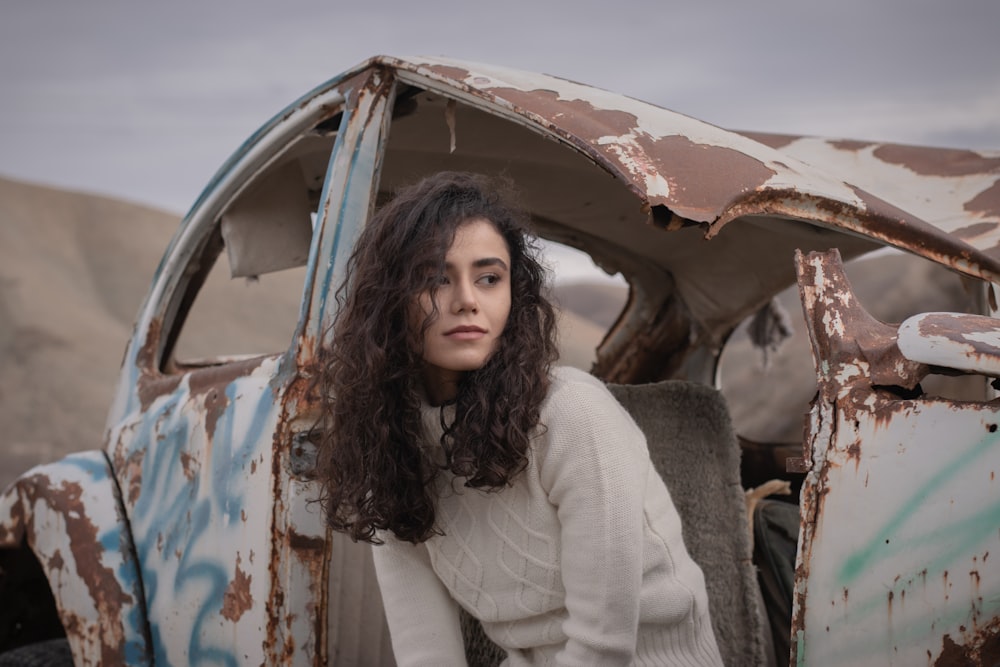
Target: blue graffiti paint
(331, 256)
(228, 462)
(176, 515)
(92, 463)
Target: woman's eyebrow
(483, 262)
(490, 261)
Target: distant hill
(73, 271)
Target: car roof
(695, 179)
(941, 203)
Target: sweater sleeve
(423, 618)
(594, 469)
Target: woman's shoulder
(577, 391)
(568, 379)
(580, 414)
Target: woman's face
(473, 302)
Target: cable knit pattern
(580, 562)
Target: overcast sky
(144, 100)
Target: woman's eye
(490, 279)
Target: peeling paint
(237, 598)
(885, 506)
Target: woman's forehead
(477, 237)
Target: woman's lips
(465, 333)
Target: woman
(487, 478)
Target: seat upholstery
(694, 448)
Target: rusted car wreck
(190, 537)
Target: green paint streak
(956, 538)
(858, 562)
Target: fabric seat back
(694, 448)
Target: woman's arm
(595, 469)
(423, 618)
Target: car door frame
(231, 549)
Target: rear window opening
(244, 296)
(769, 391)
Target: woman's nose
(464, 298)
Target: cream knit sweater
(580, 562)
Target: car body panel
(232, 548)
(962, 341)
(70, 514)
(899, 509)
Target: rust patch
(146, 356)
(987, 202)
(456, 74)
(204, 380)
(216, 402)
(151, 387)
(105, 592)
(237, 598)
(211, 383)
(863, 337)
(937, 161)
(892, 223)
(56, 562)
(854, 452)
(189, 465)
(959, 330)
(578, 117)
(12, 537)
(974, 230)
(300, 542)
(702, 177)
(851, 145)
(133, 472)
(775, 141)
(704, 180)
(876, 219)
(978, 647)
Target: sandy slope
(73, 271)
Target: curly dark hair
(374, 468)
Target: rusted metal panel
(350, 186)
(197, 468)
(899, 509)
(234, 551)
(71, 517)
(957, 191)
(953, 340)
(681, 167)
